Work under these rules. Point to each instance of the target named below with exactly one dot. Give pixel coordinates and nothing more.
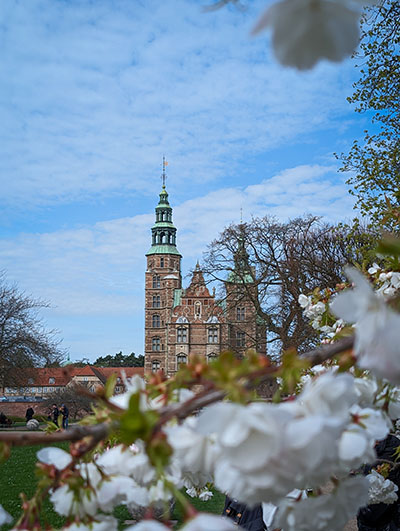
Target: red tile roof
(63, 375)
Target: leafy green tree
(120, 360)
(374, 162)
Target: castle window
(155, 365)
(52, 381)
(213, 335)
(181, 358)
(240, 313)
(155, 344)
(212, 356)
(161, 262)
(156, 321)
(197, 309)
(181, 334)
(240, 339)
(156, 301)
(156, 281)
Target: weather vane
(164, 175)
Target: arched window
(181, 358)
(156, 301)
(155, 365)
(240, 339)
(156, 281)
(156, 321)
(212, 356)
(240, 313)
(181, 334)
(182, 319)
(155, 344)
(197, 309)
(213, 335)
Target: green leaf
(5, 450)
(110, 386)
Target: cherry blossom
(329, 394)
(5, 518)
(102, 523)
(134, 385)
(377, 343)
(148, 525)
(329, 512)
(204, 521)
(54, 456)
(381, 490)
(306, 31)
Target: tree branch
(73, 434)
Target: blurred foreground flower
(5, 518)
(306, 31)
(377, 344)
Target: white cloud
(92, 94)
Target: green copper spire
(163, 232)
(242, 273)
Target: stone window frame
(181, 358)
(156, 281)
(240, 313)
(156, 320)
(212, 356)
(240, 339)
(156, 344)
(156, 301)
(155, 365)
(212, 334)
(182, 334)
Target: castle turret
(163, 278)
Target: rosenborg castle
(181, 322)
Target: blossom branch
(73, 434)
(326, 352)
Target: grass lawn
(17, 475)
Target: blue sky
(94, 92)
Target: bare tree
(275, 262)
(24, 341)
(74, 397)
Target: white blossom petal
(54, 456)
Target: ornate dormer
(163, 232)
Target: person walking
(54, 414)
(29, 413)
(65, 415)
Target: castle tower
(246, 329)
(162, 278)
